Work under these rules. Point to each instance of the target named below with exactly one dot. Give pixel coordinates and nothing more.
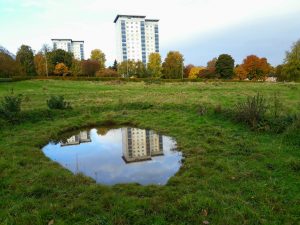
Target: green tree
(154, 65)
(127, 68)
(279, 74)
(76, 68)
(99, 56)
(59, 56)
(224, 66)
(26, 59)
(173, 65)
(115, 65)
(291, 66)
(140, 69)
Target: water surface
(122, 155)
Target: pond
(117, 155)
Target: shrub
(58, 102)
(10, 107)
(107, 73)
(252, 111)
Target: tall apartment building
(140, 144)
(82, 137)
(76, 47)
(136, 37)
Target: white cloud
(36, 22)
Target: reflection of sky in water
(102, 160)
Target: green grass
(231, 175)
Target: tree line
(58, 62)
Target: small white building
(136, 37)
(75, 47)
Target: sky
(199, 29)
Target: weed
(202, 110)
(252, 111)
(58, 102)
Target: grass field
(231, 175)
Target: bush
(10, 107)
(252, 111)
(107, 73)
(58, 102)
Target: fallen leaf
(51, 222)
(205, 222)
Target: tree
(60, 56)
(99, 56)
(279, 74)
(9, 67)
(76, 68)
(291, 66)
(194, 72)
(187, 69)
(45, 50)
(256, 68)
(60, 69)
(40, 64)
(210, 71)
(90, 67)
(211, 65)
(26, 60)
(154, 65)
(173, 65)
(140, 69)
(224, 66)
(240, 73)
(115, 65)
(127, 68)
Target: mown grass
(231, 175)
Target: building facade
(140, 144)
(82, 137)
(136, 37)
(75, 47)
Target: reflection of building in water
(139, 144)
(82, 137)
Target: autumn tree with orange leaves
(240, 73)
(256, 68)
(61, 69)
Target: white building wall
(131, 48)
(70, 46)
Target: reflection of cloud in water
(102, 160)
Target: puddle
(114, 156)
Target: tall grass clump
(58, 102)
(252, 111)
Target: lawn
(230, 175)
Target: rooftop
(134, 16)
(64, 39)
(151, 20)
